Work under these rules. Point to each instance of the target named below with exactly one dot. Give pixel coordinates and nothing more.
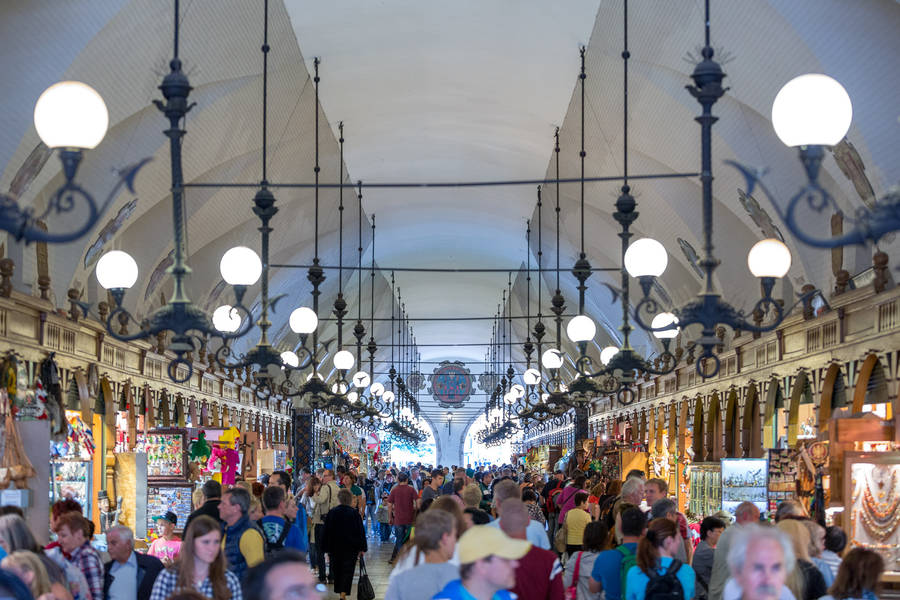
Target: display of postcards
(163, 499)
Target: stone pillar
(581, 435)
(302, 439)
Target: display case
(783, 476)
(72, 479)
(169, 497)
(744, 480)
(872, 494)
(705, 488)
(166, 451)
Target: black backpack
(270, 547)
(665, 586)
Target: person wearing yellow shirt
(576, 520)
(242, 542)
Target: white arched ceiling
(441, 92)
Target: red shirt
(539, 576)
(403, 498)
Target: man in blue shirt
(277, 530)
(607, 572)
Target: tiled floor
(377, 568)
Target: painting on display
(745, 480)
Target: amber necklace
(880, 515)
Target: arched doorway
(698, 429)
(714, 429)
(475, 453)
(751, 437)
(871, 391)
(801, 413)
(732, 425)
(773, 416)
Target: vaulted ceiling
(460, 91)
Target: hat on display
(169, 516)
(483, 541)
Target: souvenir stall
(744, 480)
(794, 474)
(71, 464)
(168, 488)
(872, 504)
(705, 489)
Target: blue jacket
(455, 591)
(237, 564)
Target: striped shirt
(167, 581)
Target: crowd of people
(458, 534)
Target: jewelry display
(875, 510)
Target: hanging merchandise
(14, 464)
(49, 376)
(166, 457)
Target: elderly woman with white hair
(760, 560)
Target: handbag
(572, 590)
(560, 538)
(364, 589)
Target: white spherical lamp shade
(552, 359)
(290, 359)
(312, 375)
(812, 109)
(581, 329)
(303, 320)
(361, 379)
(607, 353)
(377, 389)
(116, 270)
(646, 257)
(517, 390)
(509, 398)
(70, 114)
(531, 377)
(769, 258)
(338, 388)
(226, 319)
(240, 266)
(352, 396)
(343, 360)
(388, 396)
(663, 320)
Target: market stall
(744, 480)
(167, 466)
(705, 489)
(71, 464)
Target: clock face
(451, 384)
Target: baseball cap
(169, 516)
(482, 541)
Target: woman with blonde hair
(805, 582)
(200, 565)
(28, 567)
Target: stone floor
(376, 566)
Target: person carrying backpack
(278, 532)
(611, 566)
(657, 575)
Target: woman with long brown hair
(656, 555)
(200, 566)
(859, 576)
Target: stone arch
(751, 436)
(834, 395)
(714, 429)
(698, 429)
(774, 402)
(732, 426)
(801, 393)
(871, 386)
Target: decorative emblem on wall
(415, 382)
(108, 232)
(158, 273)
(691, 255)
(759, 216)
(487, 382)
(451, 384)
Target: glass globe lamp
(646, 257)
(343, 360)
(226, 319)
(303, 320)
(607, 353)
(71, 115)
(663, 320)
(377, 389)
(581, 329)
(517, 390)
(552, 359)
(812, 110)
(531, 377)
(388, 396)
(290, 359)
(240, 266)
(116, 270)
(361, 379)
(769, 258)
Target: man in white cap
(487, 565)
